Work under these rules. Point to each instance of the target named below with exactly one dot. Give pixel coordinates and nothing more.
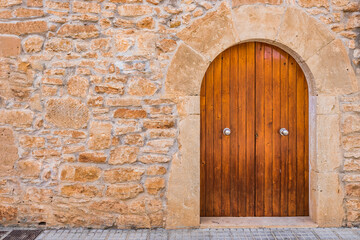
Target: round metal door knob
(284, 132)
(226, 131)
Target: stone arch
(329, 73)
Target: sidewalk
(160, 234)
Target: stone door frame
(325, 62)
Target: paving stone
(138, 234)
(221, 234)
(158, 234)
(283, 234)
(117, 234)
(262, 234)
(346, 233)
(325, 233)
(241, 234)
(304, 233)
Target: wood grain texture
(254, 89)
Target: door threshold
(257, 222)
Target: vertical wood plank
(284, 141)
(225, 140)
(242, 128)
(202, 148)
(276, 190)
(209, 140)
(306, 160)
(260, 130)
(292, 137)
(234, 137)
(250, 130)
(268, 132)
(217, 132)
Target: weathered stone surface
(33, 44)
(154, 185)
(167, 45)
(133, 221)
(80, 191)
(80, 173)
(29, 168)
(351, 165)
(159, 123)
(155, 170)
(236, 3)
(78, 86)
(127, 126)
(38, 195)
(27, 141)
(9, 46)
(92, 157)
(16, 118)
(328, 136)
(86, 7)
(123, 154)
(125, 174)
(314, 3)
(147, 22)
(100, 135)
(257, 22)
(186, 72)
(352, 189)
(306, 38)
(34, 3)
(8, 151)
(134, 10)
(24, 27)
(110, 88)
(129, 113)
(142, 87)
(327, 75)
(66, 113)
(152, 158)
(9, 3)
(185, 170)
(134, 139)
(124, 191)
(110, 206)
(27, 13)
(59, 45)
(350, 123)
(78, 31)
(216, 41)
(8, 214)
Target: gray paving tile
(224, 234)
(304, 233)
(179, 234)
(283, 234)
(262, 234)
(140, 234)
(200, 234)
(158, 234)
(241, 234)
(325, 233)
(346, 233)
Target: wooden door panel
(254, 89)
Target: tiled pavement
(215, 234)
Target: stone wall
(87, 134)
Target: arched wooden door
(254, 89)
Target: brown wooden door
(254, 89)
